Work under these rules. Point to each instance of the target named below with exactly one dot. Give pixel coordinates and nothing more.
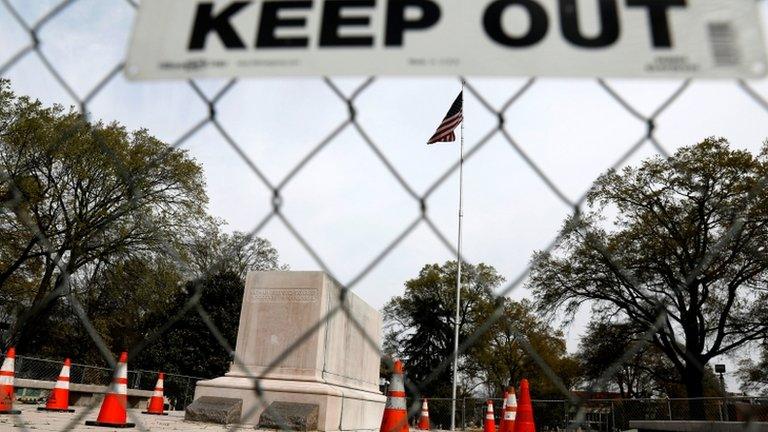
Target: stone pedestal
(332, 366)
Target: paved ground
(33, 421)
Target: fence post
(186, 393)
(669, 408)
(464, 413)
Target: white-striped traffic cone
(113, 409)
(58, 400)
(6, 383)
(395, 418)
(157, 401)
(424, 418)
(510, 411)
(489, 425)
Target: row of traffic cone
(515, 417)
(113, 408)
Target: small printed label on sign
(606, 38)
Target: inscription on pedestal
(284, 295)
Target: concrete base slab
(695, 426)
(340, 408)
(289, 415)
(41, 421)
(215, 409)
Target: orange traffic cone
(395, 417)
(157, 401)
(424, 419)
(524, 421)
(113, 413)
(489, 425)
(510, 411)
(6, 383)
(58, 400)
(503, 408)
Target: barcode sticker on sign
(725, 47)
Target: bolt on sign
(607, 38)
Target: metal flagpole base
(112, 425)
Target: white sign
(607, 38)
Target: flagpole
(458, 269)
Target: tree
(158, 288)
(419, 329)
(189, 347)
(212, 251)
(641, 375)
(754, 374)
(419, 325)
(505, 357)
(118, 301)
(685, 255)
(78, 193)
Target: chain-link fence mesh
(600, 414)
(178, 389)
(570, 412)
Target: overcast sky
(345, 202)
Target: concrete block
(289, 415)
(220, 410)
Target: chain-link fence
(178, 389)
(600, 414)
(595, 415)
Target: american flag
(445, 132)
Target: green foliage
(507, 354)
(79, 194)
(104, 235)
(688, 241)
(128, 302)
(753, 373)
(211, 251)
(419, 328)
(638, 369)
(117, 300)
(613, 358)
(189, 346)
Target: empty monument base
(307, 348)
(340, 408)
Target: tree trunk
(693, 378)
(31, 320)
